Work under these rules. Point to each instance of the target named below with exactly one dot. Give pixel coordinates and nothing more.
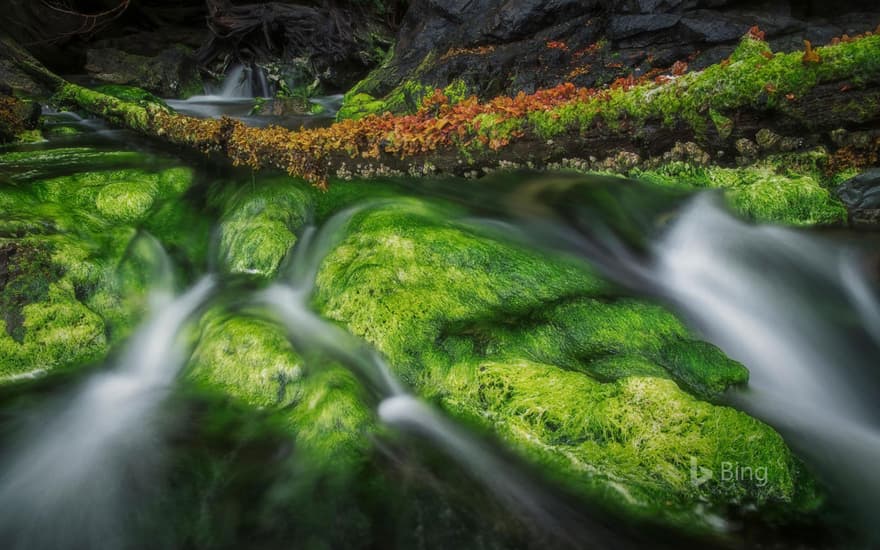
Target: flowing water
(69, 480)
(799, 308)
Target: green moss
(132, 94)
(782, 189)
(749, 79)
(629, 443)
(357, 106)
(406, 97)
(63, 130)
(79, 278)
(319, 405)
(120, 111)
(474, 323)
(258, 224)
(58, 331)
(125, 201)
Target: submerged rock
(251, 361)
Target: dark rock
(172, 73)
(17, 116)
(861, 196)
(504, 46)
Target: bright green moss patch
(475, 324)
(125, 201)
(64, 130)
(630, 443)
(407, 97)
(132, 94)
(360, 105)
(258, 224)
(57, 331)
(131, 114)
(788, 189)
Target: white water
(799, 313)
(72, 480)
(241, 81)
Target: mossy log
(754, 90)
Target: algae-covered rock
(789, 189)
(320, 407)
(573, 376)
(72, 280)
(258, 224)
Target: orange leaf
(810, 55)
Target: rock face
(861, 195)
(506, 46)
(172, 73)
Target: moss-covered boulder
(320, 406)
(592, 386)
(73, 275)
(258, 223)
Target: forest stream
(546, 359)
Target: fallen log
(801, 98)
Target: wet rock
(173, 73)
(861, 195)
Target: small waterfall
(241, 81)
(515, 489)
(796, 309)
(799, 313)
(71, 481)
(307, 330)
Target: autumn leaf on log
(810, 55)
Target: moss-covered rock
(789, 189)
(132, 94)
(633, 443)
(258, 224)
(475, 324)
(73, 278)
(125, 201)
(251, 361)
